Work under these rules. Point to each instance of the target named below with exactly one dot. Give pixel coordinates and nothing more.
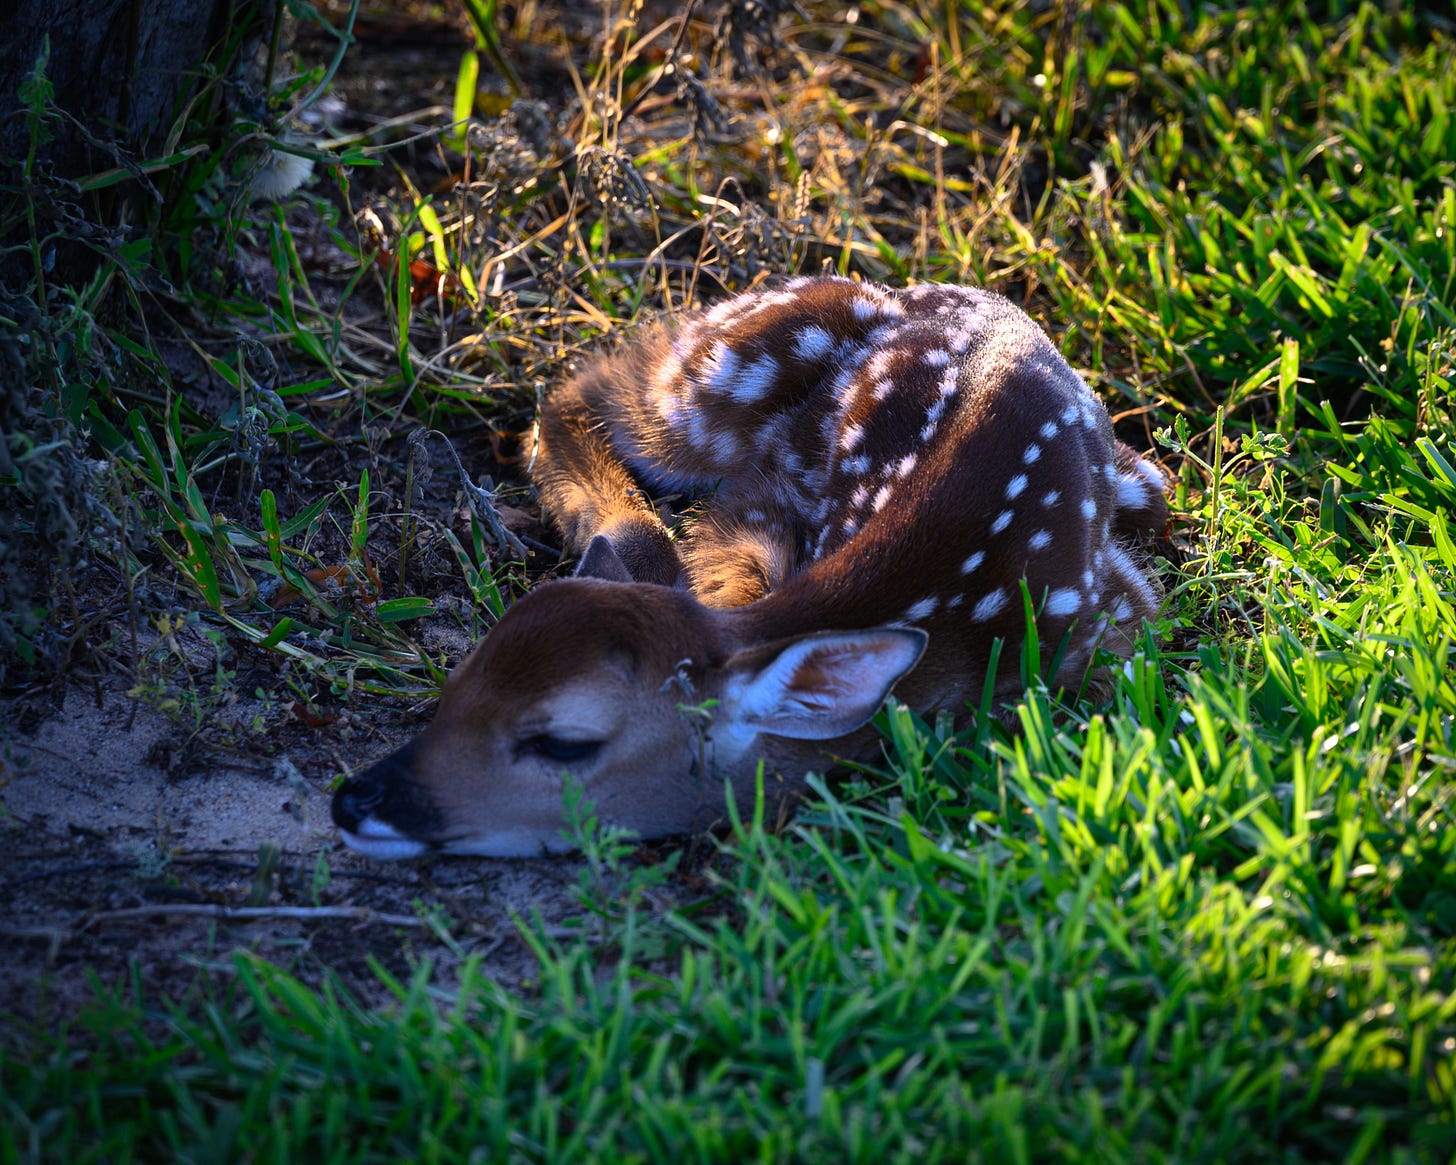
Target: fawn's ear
(819, 686)
(634, 548)
(602, 561)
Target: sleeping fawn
(885, 477)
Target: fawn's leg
(584, 484)
(644, 419)
(736, 557)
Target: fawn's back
(882, 479)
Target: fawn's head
(640, 693)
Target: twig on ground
(253, 913)
(57, 934)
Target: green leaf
(278, 634)
(467, 80)
(409, 607)
(273, 536)
(1437, 462)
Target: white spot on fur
(724, 445)
(1040, 540)
(881, 498)
(685, 340)
(697, 429)
(863, 309)
(876, 366)
(850, 438)
(1132, 492)
(882, 390)
(754, 380)
(1015, 486)
(1032, 452)
(907, 463)
(874, 342)
(1087, 578)
(859, 497)
(1150, 471)
(1064, 601)
(772, 300)
(724, 310)
(1049, 430)
(722, 368)
(988, 606)
(922, 610)
(1131, 577)
(856, 466)
(1089, 509)
(668, 375)
(813, 343)
(1070, 415)
(1003, 519)
(973, 562)
(1051, 498)
(936, 358)
(665, 403)
(954, 601)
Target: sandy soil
(111, 863)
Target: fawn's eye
(557, 749)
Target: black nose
(389, 792)
(357, 798)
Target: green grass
(1211, 919)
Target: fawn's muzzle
(382, 811)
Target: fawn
(881, 473)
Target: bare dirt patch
(113, 866)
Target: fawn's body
(877, 467)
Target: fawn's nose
(358, 797)
(388, 796)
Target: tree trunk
(122, 68)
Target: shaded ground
(111, 864)
(164, 782)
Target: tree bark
(122, 68)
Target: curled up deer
(885, 477)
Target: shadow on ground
(112, 865)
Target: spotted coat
(864, 455)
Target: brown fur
(881, 474)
